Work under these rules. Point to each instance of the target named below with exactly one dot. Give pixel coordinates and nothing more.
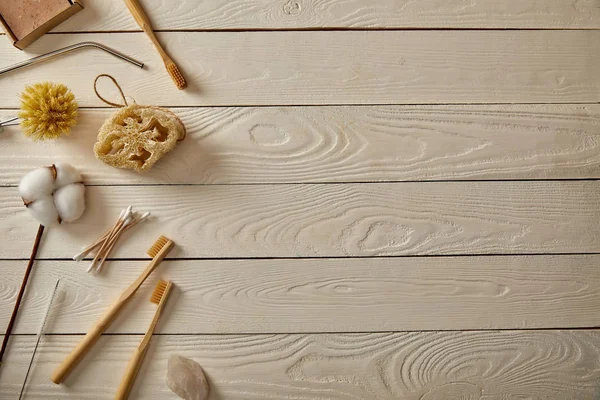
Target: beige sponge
(136, 137)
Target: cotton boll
(66, 174)
(44, 211)
(70, 202)
(53, 194)
(37, 184)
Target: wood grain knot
(383, 235)
(268, 135)
(292, 7)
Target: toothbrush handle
(140, 351)
(86, 343)
(132, 370)
(140, 16)
(92, 336)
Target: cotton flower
(53, 194)
(48, 110)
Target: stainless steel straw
(68, 49)
(9, 122)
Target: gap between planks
(242, 30)
(274, 106)
(316, 258)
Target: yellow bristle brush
(48, 111)
(158, 252)
(144, 22)
(159, 296)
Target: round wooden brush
(135, 8)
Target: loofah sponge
(53, 194)
(136, 137)
(48, 110)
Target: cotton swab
(113, 233)
(87, 250)
(105, 244)
(128, 225)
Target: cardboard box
(25, 21)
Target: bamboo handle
(132, 370)
(86, 343)
(140, 16)
(90, 338)
(138, 356)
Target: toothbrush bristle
(157, 246)
(158, 292)
(176, 75)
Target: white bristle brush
(39, 336)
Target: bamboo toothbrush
(159, 296)
(158, 252)
(135, 8)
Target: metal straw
(9, 122)
(68, 49)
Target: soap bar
(25, 21)
(24, 16)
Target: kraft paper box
(25, 21)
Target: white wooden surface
(325, 220)
(326, 295)
(390, 366)
(342, 144)
(387, 199)
(108, 15)
(330, 67)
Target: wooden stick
(92, 246)
(113, 242)
(140, 352)
(113, 231)
(13, 317)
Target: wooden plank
(553, 365)
(329, 220)
(111, 15)
(321, 295)
(341, 144)
(329, 67)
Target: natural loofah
(48, 110)
(53, 194)
(136, 137)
